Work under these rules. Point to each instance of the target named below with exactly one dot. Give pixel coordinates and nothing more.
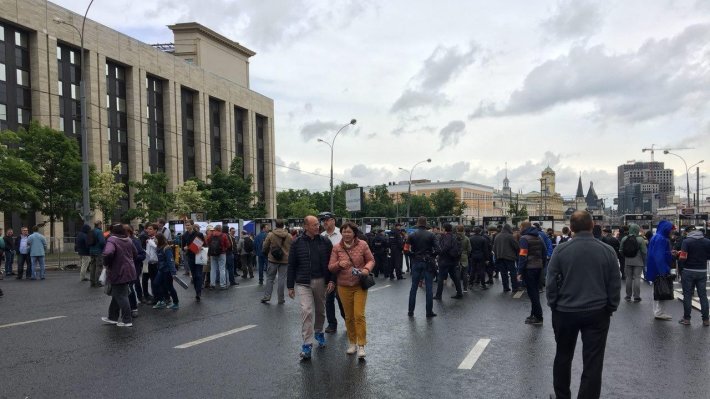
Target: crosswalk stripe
(213, 337)
(474, 354)
(31, 321)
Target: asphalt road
(74, 355)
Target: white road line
(244, 286)
(213, 337)
(379, 288)
(518, 295)
(31, 321)
(470, 360)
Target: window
(261, 126)
(117, 125)
(15, 93)
(2, 73)
(23, 78)
(69, 75)
(240, 120)
(215, 107)
(156, 131)
(188, 133)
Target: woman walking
(163, 284)
(135, 293)
(350, 259)
(193, 243)
(119, 257)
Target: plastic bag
(102, 277)
(201, 258)
(663, 288)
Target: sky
(581, 86)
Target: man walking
(23, 254)
(38, 246)
(379, 250)
(308, 275)
(396, 246)
(424, 249)
(333, 234)
(694, 255)
(276, 247)
(531, 261)
(246, 255)
(583, 290)
(506, 249)
(217, 247)
(82, 249)
(480, 254)
(261, 260)
(633, 251)
(96, 242)
(448, 262)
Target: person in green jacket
(463, 261)
(633, 265)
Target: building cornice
(190, 27)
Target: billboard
(353, 200)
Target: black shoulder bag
(366, 280)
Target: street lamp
(409, 190)
(331, 145)
(687, 174)
(85, 207)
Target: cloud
(426, 86)
(661, 78)
(573, 19)
(319, 128)
(451, 133)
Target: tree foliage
(516, 211)
(106, 191)
(152, 199)
(229, 195)
(188, 199)
(444, 202)
(295, 204)
(19, 179)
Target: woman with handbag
(163, 284)
(193, 250)
(119, 257)
(658, 268)
(351, 261)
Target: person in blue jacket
(163, 284)
(658, 262)
(258, 250)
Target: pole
(331, 177)
(697, 188)
(86, 210)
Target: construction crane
(653, 149)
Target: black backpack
(215, 246)
(248, 245)
(631, 247)
(454, 251)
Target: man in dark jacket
(506, 249)
(379, 250)
(480, 254)
(9, 251)
(694, 256)
(531, 260)
(308, 274)
(424, 248)
(583, 290)
(96, 247)
(82, 249)
(448, 262)
(396, 244)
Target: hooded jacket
(80, 245)
(119, 255)
(659, 259)
(278, 237)
(532, 250)
(695, 252)
(640, 258)
(505, 246)
(465, 247)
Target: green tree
(188, 199)
(152, 199)
(107, 191)
(229, 195)
(378, 202)
(420, 206)
(444, 202)
(516, 211)
(295, 203)
(19, 179)
(56, 159)
(301, 208)
(459, 208)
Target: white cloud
(573, 19)
(451, 133)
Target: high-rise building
(644, 187)
(184, 108)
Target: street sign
(494, 219)
(372, 221)
(597, 217)
(354, 200)
(637, 217)
(544, 218)
(295, 222)
(687, 211)
(699, 216)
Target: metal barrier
(61, 253)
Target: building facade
(480, 200)
(644, 187)
(184, 110)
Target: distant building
(479, 198)
(644, 187)
(546, 202)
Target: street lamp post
(687, 174)
(86, 211)
(331, 145)
(409, 190)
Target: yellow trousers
(354, 300)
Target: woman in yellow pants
(349, 259)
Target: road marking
(31, 321)
(470, 360)
(518, 295)
(244, 286)
(380, 288)
(213, 337)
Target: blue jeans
(163, 286)
(694, 280)
(37, 260)
(262, 265)
(218, 264)
(9, 258)
(532, 280)
(419, 271)
(230, 267)
(507, 270)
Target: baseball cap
(325, 216)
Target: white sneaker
(361, 351)
(664, 316)
(122, 324)
(352, 348)
(108, 321)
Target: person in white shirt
(332, 233)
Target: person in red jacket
(218, 245)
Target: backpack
(454, 250)
(631, 247)
(91, 238)
(248, 245)
(215, 246)
(276, 251)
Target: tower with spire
(592, 200)
(579, 199)
(507, 193)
